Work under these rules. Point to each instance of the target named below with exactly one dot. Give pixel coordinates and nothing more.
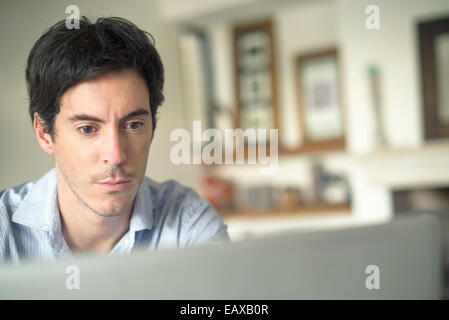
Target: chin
(112, 212)
(111, 207)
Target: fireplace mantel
(398, 168)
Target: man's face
(102, 138)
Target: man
(94, 93)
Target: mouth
(115, 184)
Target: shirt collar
(40, 209)
(142, 215)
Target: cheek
(76, 154)
(138, 149)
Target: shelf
(309, 211)
(316, 147)
(407, 168)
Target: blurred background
(359, 91)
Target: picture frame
(255, 76)
(319, 100)
(434, 58)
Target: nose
(113, 148)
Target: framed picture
(434, 55)
(317, 84)
(255, 76)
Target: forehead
(115, 92)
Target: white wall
(21, 24)
(394, 49)
(176, 10)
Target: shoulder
(198, 220)
(30, 193)
(173, 192)
(12, 198)
(10, 201)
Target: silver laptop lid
(398, 260)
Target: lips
(117, 184)
(117, 181)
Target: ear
(43, 137)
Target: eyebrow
(86, 117)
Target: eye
(134, 125)
(86, 130)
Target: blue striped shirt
(165, 215)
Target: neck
(83, 229)
(84, 234)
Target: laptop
(396, 260)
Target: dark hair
(63, 57)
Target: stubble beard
(113, 212)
